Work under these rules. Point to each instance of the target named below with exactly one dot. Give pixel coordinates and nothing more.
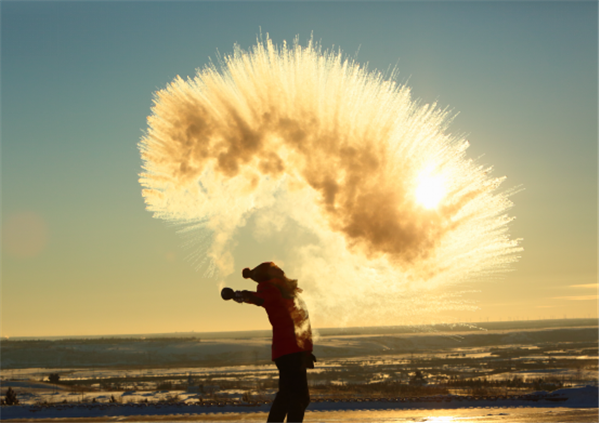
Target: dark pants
(293, 397)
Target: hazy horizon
(327, 331)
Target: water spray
(396, 210)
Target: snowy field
(463, 373)
(574, 404)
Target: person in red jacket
(292, 346)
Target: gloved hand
(239, 297)
(308, 360)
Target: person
(292, 346)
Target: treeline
(538, 384)
(24, 343)
(386, 388)
(93, 354)
(393, 388)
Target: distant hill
(373, 330)
(242, 348)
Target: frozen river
(464, 415)
(474, 415)
(565, 405)
(569, 405)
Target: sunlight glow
(441, 419)
(301, 141)
(430, 191)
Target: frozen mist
(297, 139)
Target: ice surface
(578, 398)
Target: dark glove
(309, 360)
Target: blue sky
(77, 85)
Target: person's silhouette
(292, 346)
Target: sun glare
(430, 191)
(388, 157)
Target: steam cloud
(297, 134)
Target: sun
(430, 190)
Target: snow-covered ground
(188, 407)
(146, 358)
(209, 352)
(199, 379)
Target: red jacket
(289, 318)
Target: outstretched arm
(248, 297)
